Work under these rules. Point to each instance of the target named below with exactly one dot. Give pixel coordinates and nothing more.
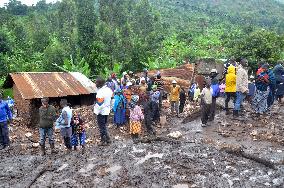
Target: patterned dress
(78, 132)
(136, 116)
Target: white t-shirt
(207, 95)
(103, 102)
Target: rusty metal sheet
(47, 84)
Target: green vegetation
(97, 37)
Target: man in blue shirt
(5, 118)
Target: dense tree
(97, 37)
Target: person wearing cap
(241, 86)
(63, 123)
(136, 117)
(5, 119)
(47, 117)
(102, 109)
(215, 89)
(160, 87)
(174, 97)
(119, 108)
(231, 87)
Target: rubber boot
(108, 141)
(103, 141)
(42, 149)
(52, 147)
(235, 114)
(227, 111)
(136, 138)
(68, 143)
(133, 136)
(83, 148)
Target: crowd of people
(136, 103)
(260, 89)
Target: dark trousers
(181, 106)
(4, 134)
(148, 123)
(102, 122)
(212, 109)
(161, 99)
(205, 112)
(229, 95)
(156, 112)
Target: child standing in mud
(78, 132)
(136, 117)
(206, 102)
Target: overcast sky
(27, 2)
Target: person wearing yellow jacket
(231, 87)
(174, 97)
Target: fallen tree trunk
(239, 152)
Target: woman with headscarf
(136, 117)
(259, 102)
(119, 108)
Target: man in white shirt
(241, 85)
(206, 103)
(102, 109)
(64, 123)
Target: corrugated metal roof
(33, 85)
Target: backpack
(215, 90)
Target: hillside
(262, 13)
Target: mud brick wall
(23, 106)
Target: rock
(175, 134)
(277, 181)
(35, 145)
(89, 141)
(253, 133)
(28, 134)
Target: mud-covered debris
(175, 135)
(35, 145)
(28, 134)
(254, 133)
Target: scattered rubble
(221, 155)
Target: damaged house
(30, 87)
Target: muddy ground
(194, 160)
